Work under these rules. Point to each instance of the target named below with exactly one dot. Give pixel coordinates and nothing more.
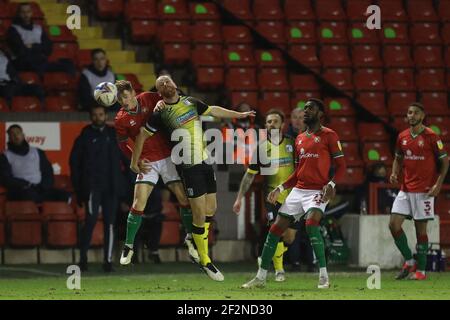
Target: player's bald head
(166, 86)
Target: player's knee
(138, 205)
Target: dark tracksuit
(96, 175)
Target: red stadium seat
(174, 32)
(392, 10)
(208, 32)
(6, 10)
(368, 80)
(374, 152)
(241, 79)
(443, 209)
(352, 155)
(61, 224)
(372, 132)
(177, 53)
(173, 10)
(299, 98)
(354, 177)
(306, 55)
(273, 79)
(58, 104)
(269, 58)
(398, 102)
(339, 107)
(63, 182)
(303, 82)
(241, 9)
(447, 57)
(332, 33)
(445, 32)
(334, 56)
(373, 102)
(399, 80)
(237, 35)
(107, 9)
(141, 9)
(134, 81)
(206, 55)
(428, 57)
(298, 10)
(143, 30)
(204, 11)
(24, 224)
(30, 78)
(356, 9)
(60, 34)
(64, 50)
(25, 104)
(329, 10)
(301, 32)
(431, 80)
(274, 100)
(340, 78)
(366, 56)
(170, 235)
(272, 31)
(422, 10)
(3, 106)
(397, 56)
(239, 56)
(58, 81)
(440, 125)
(4, 25)
(238, 97)
(358, 33)
(210, 77)
(436, 103)
(425, 34)
(344, 127)
(267, 10)
(400, 123)
(83, 58)
(394, 33)
(444, 10)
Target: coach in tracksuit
(96, 175)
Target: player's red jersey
(129, 123)
(314, 154)
(420, 154)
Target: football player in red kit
(417, 153)
(316, 149)
(155, 162)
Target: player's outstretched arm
(246, 183)
(436, 188)
(137, 151)
(223, 113)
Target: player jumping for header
(179, 115)
(315, 150)
(154, 163)
(417, 152)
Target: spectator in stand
(31, 46)
(26, 172)
(93, 75)
(97, 180)
(10, 84)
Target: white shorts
(164, 168)
(417, 206)
(300, 201)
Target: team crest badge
(140, 176)
(317, 139)
(289, 148)
(421, 143)
(440, 145)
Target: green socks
(315, 237)
(270, 246)
(133, 223)
(422, 248)
(186, 218)
(402, 244)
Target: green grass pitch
(185, 281)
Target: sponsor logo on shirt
(411, 156)
(188, 116)
(304, 155)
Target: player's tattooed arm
(220, 112)
(137, 151)
(246, 183)
(443, 168)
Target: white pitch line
(37, 271)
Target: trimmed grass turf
(183, 281)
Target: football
(106, 94)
